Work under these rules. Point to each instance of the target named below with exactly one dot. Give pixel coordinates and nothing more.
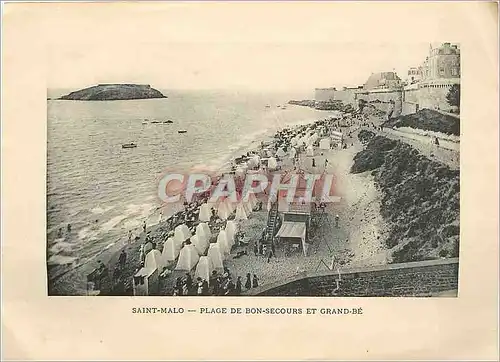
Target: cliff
(421, 199)
(114, 92)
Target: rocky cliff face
(113, 92)
(421, 199)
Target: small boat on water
(169, 121)
(144, 122)
(155, 121)
(181, 131)
(129, 145)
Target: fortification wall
(381, 100)
(428, 94)
(425, 278)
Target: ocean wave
(101, 210)
(61, 260)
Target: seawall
(414, 279)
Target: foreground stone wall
(425, 278)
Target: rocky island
(114, 92)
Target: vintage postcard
(251, 164)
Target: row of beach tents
(200, 253)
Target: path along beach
(358, 240)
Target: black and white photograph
(256, 180)
(265, 169)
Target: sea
(103, 190)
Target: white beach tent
(324, 144)
(280, 153)
(336, 135)
(216, 256)
(188, 258)
(223, 242)
(205, 213)
(204, 268)
(240, 172)
(241, 213)
(310, 151)
(200, 243)
(247, 207)
(254, 161)
(312, 139)
(181, 234)
(170, 251)
(230, 205)
(272, 164)
(252, 200)
(293, 152)
(154, 260)
(231, 229)
(223, 211)
(203, 231)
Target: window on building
(441, 71)
(454, 71)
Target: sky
(253, 46)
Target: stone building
(383, 80)
(443, 62)
(414, 75)
(439, 71)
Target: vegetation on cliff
(453, 96)
(421, 200)
(428, 120)
(114, 92)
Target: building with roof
(382, 80)
(438, 73)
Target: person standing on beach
(313, 162)
(248, 283)
(122, 259)
(255, 283)
(141, 253)
(238, 286)
(255, 249)
(326, 163)
(204, 287)
(270, 255)
(337, 221)
(130, 236)
(144, 226)
(200, 286)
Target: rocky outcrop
(114, 92)
(421, 200)
(334, 105)
(304, 102)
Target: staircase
(271, 222)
